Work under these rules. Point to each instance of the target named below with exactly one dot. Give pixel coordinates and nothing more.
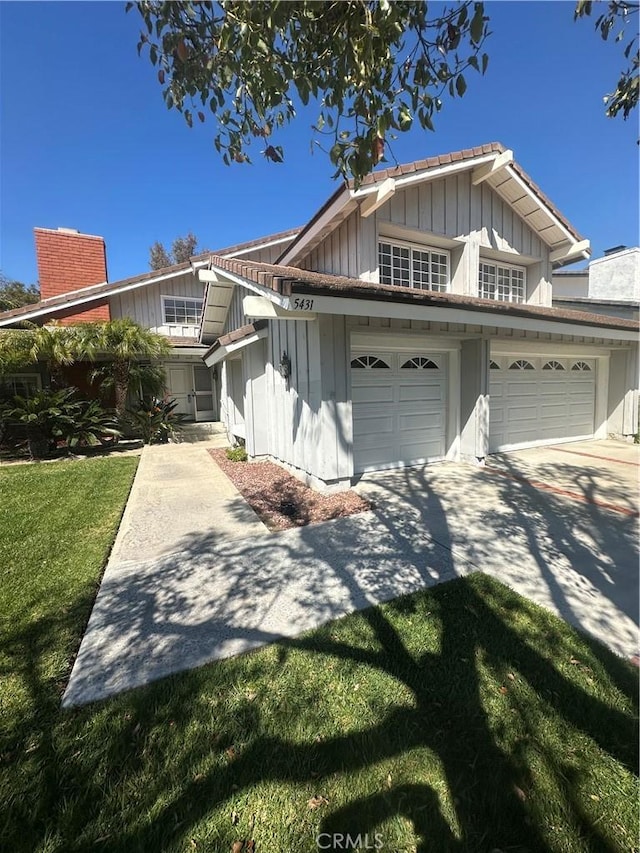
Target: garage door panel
(422, 451)
(373, 394)
(424, 392)
(374, 424)
(553, 410)
(545, 406)
(521, 389)
(399, 414)
(552, 388)
(431, 424)
(525, 412)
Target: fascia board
(260, 246)
(223, 351)
(403, 311)
(536, 198)
(250, 285)
(43, 310)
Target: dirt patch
(280, 500)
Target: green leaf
(476, 28)
(461, 85)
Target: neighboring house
(609, 285)
(408, 321)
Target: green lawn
(463, 718)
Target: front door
(205, 407)
(179, 378)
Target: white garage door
(399, 408)
(540, 400)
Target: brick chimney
(68, 261)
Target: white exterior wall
(571, 284)
(471, 222)
(616, 276)
(308, 418)
(144, 305)
(293, 407)
(236, 318)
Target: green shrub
(92, 425)
(155, 421)
(237, 454)
(49, 418)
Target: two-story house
(408, 321)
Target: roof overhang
(218, 293)
(88, 296)
(350, 306)
(497, 169)
(219, 351)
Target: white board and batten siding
(236, 318)
(475, 219)
(309, 416)
(144, 304)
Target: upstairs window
(506, 284)
(404, 265)
(181, 311)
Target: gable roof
(67, 303)
(60, 306)
(511, 182)
(286, 281)
(260, 242)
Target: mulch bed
(280, 500)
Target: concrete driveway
(559, 525)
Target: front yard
(462, 718)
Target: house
(609, 285)
(409, 321)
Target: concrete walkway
(179, 494)
(214, 596)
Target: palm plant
(58, 346)
(15, 350)
(45, 417)
(125, 344)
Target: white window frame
(499, 268)
(166, 322)
(411, 248)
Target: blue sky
(86, 141)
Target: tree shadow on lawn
(123, 772)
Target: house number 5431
(303, 304)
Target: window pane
(421, 269)
(503, 283)
(517, 285)
(384, 263)
(184, 312)
(409, 266)
(400, 261)
(487, 283)
(438, 271)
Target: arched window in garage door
(581, 365)
(553, 365)
(369, 361)
(521, 364)
(420, 363)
